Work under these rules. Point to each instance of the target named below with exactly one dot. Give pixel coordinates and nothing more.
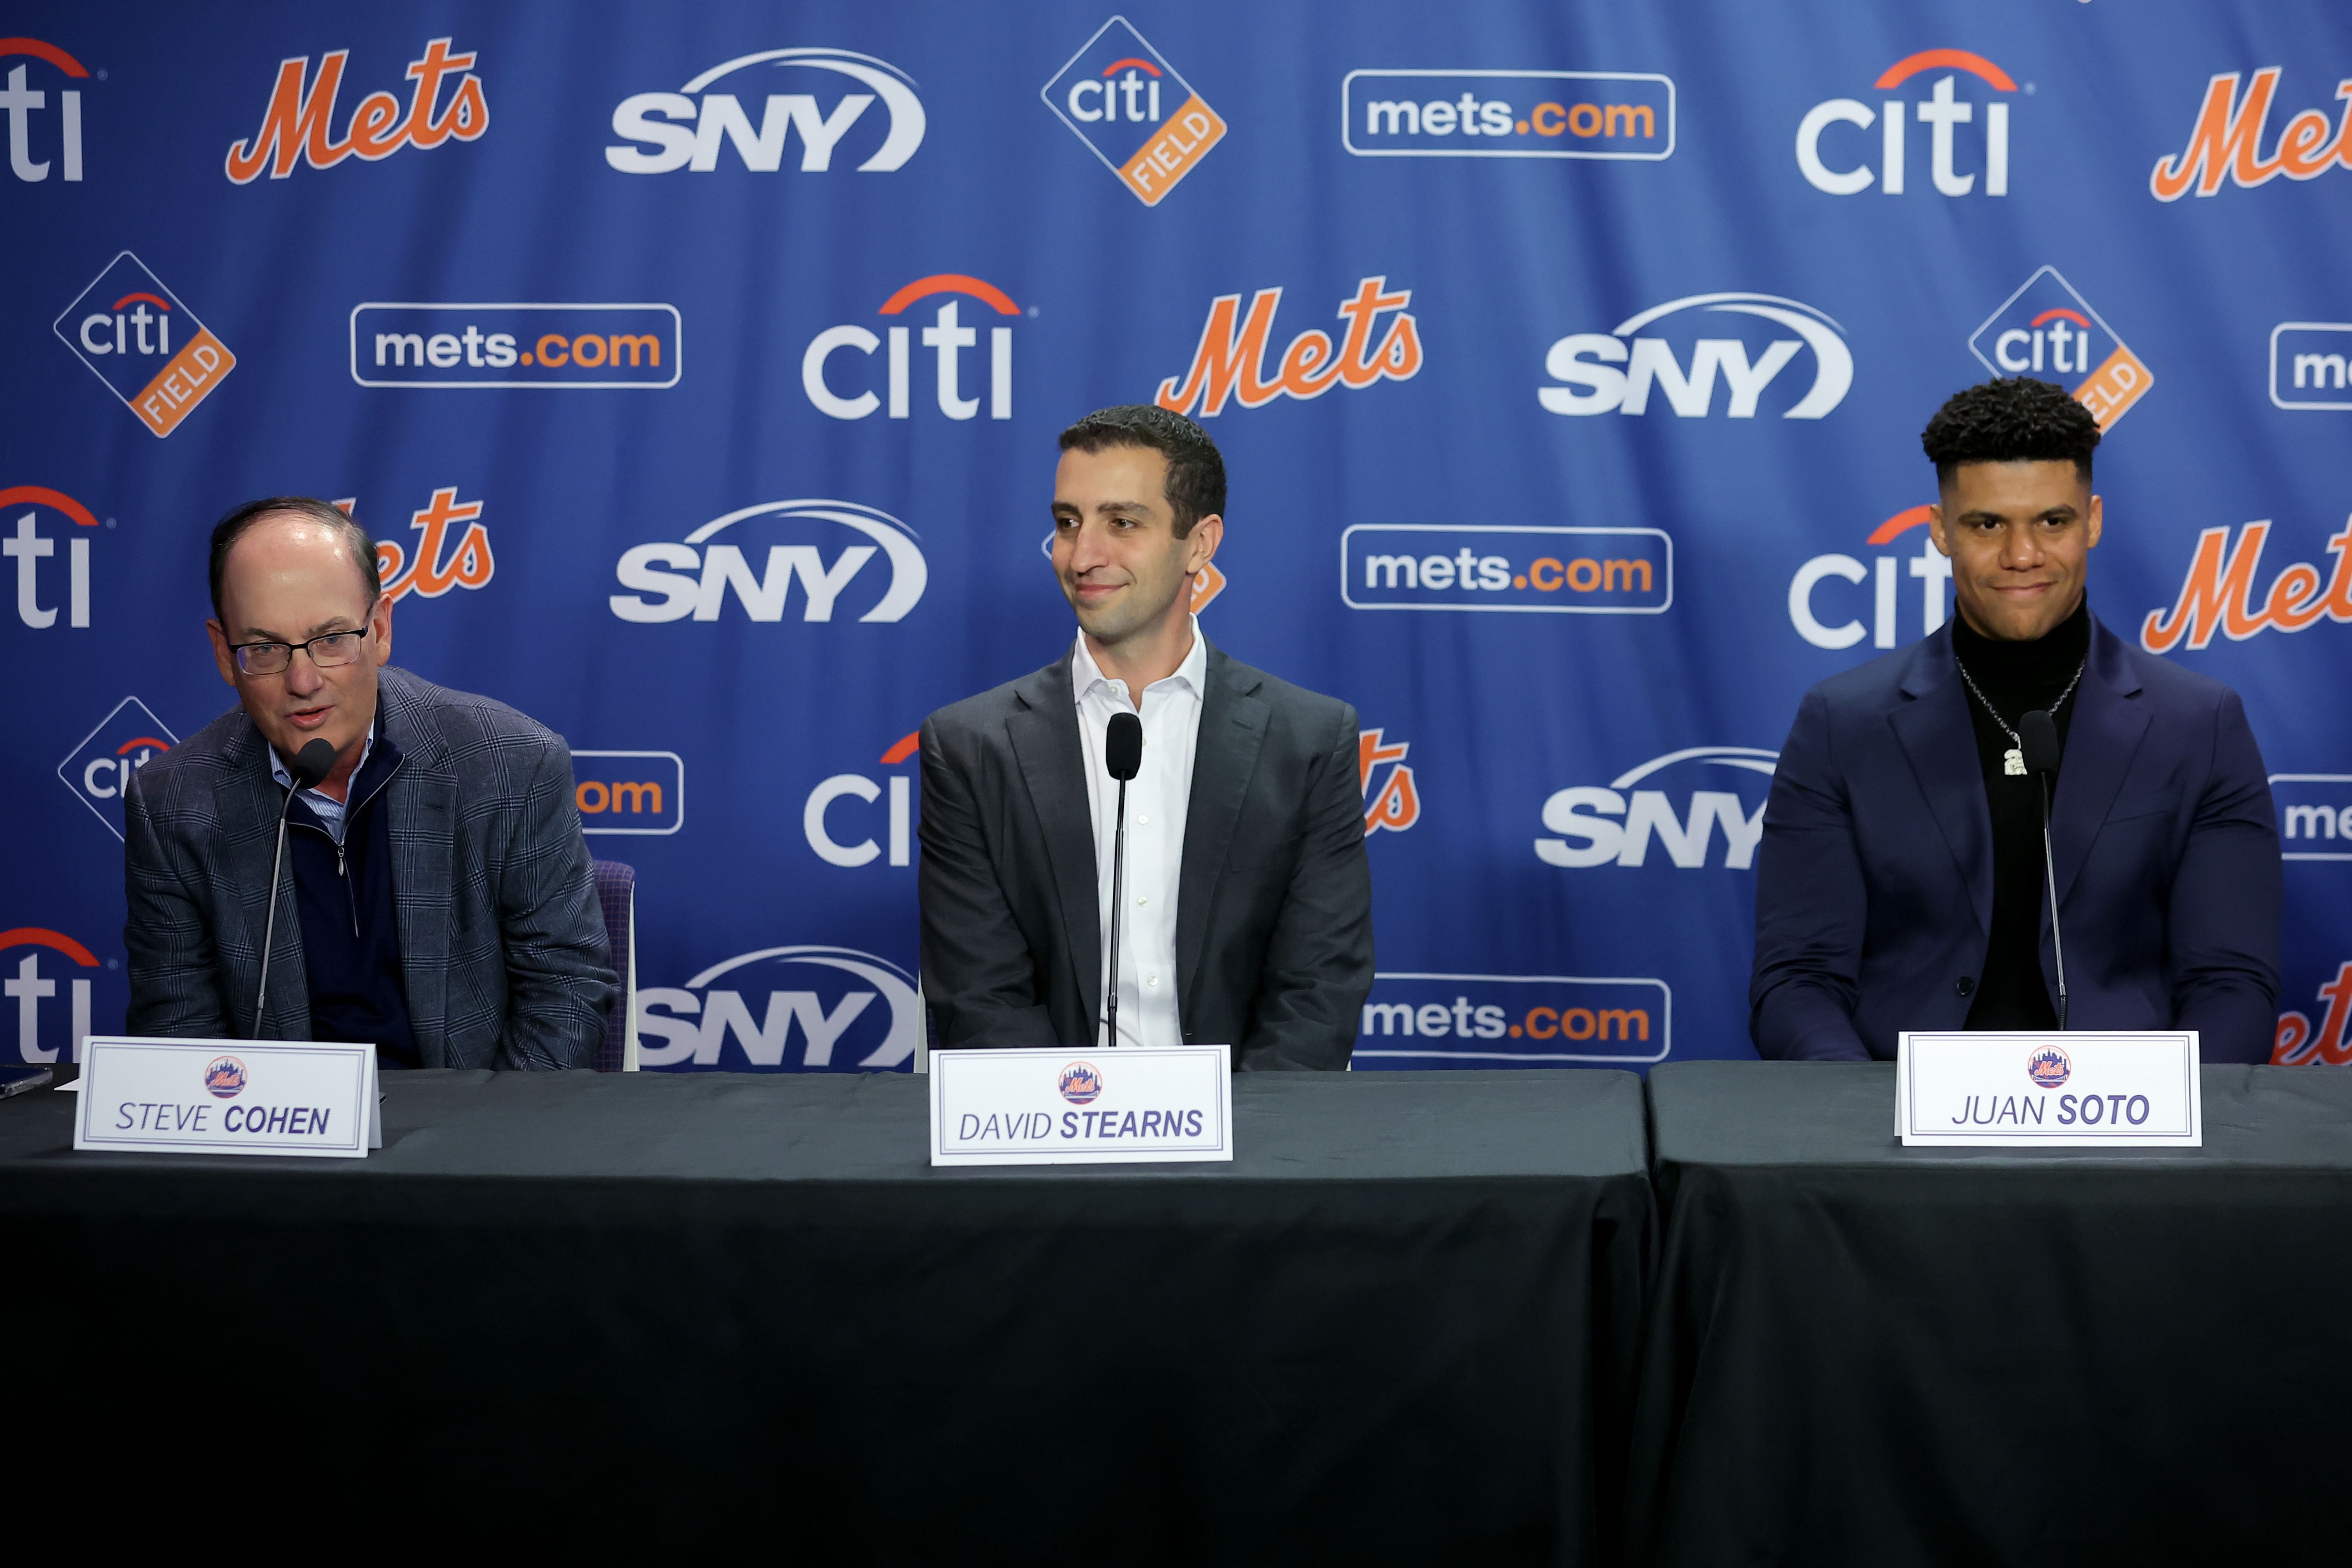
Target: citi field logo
(1587, 362)
(97, 771)
(297, 124)
(1507, 114)
(2218, 595)
(1810, 604)
(2298, 1043)
(1943, 111)
(696, 578)
(1396, 805)
(1525, 1019)
(23, 541)
(578, 347)
(1591, 833)
(637, 794)
(28, 131)
(946, 339)
(127, 344)
(2314, 814)
(2225, 145)
(1230, 361)
(2316, 355)
(817, 813)
(1121, 98)
(2047, 330)
(29, 987)
(691, 128)
(1560, 571)
(829, 1014)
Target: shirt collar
(1085, 674)
(286, 780)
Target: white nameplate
(1081, 1108)
(228, 1097)
(2063, 1090)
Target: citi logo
(696, 578)
(1942, 111)
(946, 339)
(690, 128)
(29, 987)
(2047, 329)
(295, 126)
(579, 347)
(1507, 114)
(2225, 145)
(1515, 1018)
(1588, 362)
(865, 851)
(1121, 98)
(24, 103)
(1930, 568)
(1396, 805)
(25, 543)
(127, 344)
(2314, 813)
(829, 1012)
(2297, 1042)
(2217, 593)
(633, 794)
(1590, 816)
(2310, 360)
(97, 771)
(1230, 361)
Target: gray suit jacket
(503, 953)
(1274, 919)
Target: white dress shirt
(325, 807)
(1158, 798)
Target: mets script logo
(2049, 1066)
(296, 127)
(1396, 805)
(1230, 360)
(225, 1077)
(2226, 142)
(1081, 1083)
(2220, 593)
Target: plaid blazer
(503, 953)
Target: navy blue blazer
(1873, 887)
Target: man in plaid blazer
(438, 900)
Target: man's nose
(1088, 550)
(302, 675)
(2020, 551)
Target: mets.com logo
(1507, 114)
(1587, 361)
(1606, 827)
(821, 1018)
(696, 578)
(580, 347)
(689, 129)
(1525, 570)
(1416, 1020)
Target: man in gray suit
(1247, 918)
(445, 908)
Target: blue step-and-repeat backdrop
(698, 368)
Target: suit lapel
(1044, 731)
(251, 801)
(1224, 756)
(2101, 740)
(421, 801)
(1941, 745)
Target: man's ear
(1935, 527)
(1200, 544)
(221, 654)
(2091, 537)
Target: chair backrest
(616, 890)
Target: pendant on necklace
(2013, 763)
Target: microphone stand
(1118, 898)
(2049, 881)
(270, 927)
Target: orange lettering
(294, 126)
(1227, 357)
(1536, 576)
(2213, 594)
(375, 130)
(1549, 1027)
(1309, 366)
(1557, 121)
(560, 355)
(2304, 149)
(2223, 143)
(2296, 599)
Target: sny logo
(844, 1033)
(1941, 111)
(295, 126)
(1481, 1020)
(1587, 362)
(24, 102)
(1584, 814)
(636, 793)
(29, 547)
(1542, 114)
(2316, 355)
(689, 133)
(660, 568)
(2314, 809)
(1230, 361)
(1562, 570)
(1397, 805)
(129, 346)
(947, 337)
(2297, 1042)
(1112, 94)
(2226, 142)
(2046, 328)
(2217, 593)
(864, 852)
(574, 346)
(1931, 567)
(98, 770)
(27, 987)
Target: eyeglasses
(275, 658)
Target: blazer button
(1965, 986)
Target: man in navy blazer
(1900, 882)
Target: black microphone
(1122, 758)
(312, 763)
(2037, 741)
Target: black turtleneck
(2016, 678)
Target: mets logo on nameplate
(2049, 1066)
(1082, 1084)
(225, 1077)
(1125, 101)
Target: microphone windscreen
(2037, 738)
(1123, 746)
(313, 763)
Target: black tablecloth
(1865, 1354)
(659, 1309)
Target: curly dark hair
(1196, 469)
(2011, 420)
